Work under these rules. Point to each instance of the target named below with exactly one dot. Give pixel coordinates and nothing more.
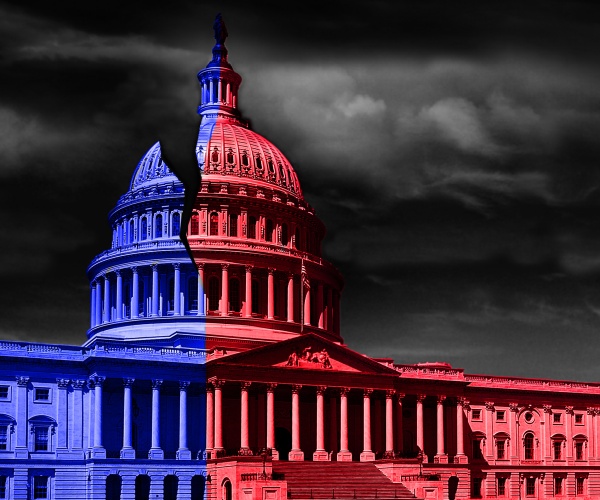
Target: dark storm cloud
(450, 148)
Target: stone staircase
(338, 480)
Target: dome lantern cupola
(219, 83)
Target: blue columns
(106, 317)
(183, 453)
(93, 304)
(21, 450)
(135, 299)
(98, 450)
(76, 432)
(201, 303)
(156, 452)
(127, 452)
(154, 290)
(177, 290)
(63, 416)
(98, 302)
(119, 304)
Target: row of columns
(214, 440)
(101, 303)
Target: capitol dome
(252, 271)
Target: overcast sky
(451, 148)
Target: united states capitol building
(221, 373)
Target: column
(569, 431)
(290, 298)
(320, 309)
(546, 431)
(154, 290)
(344, 454)
(156, 452)
(93, 304)
(244, 447)
(389, 424)
(183, 453)
(440, 457)
(135, 293)
(590, 433)
(177, 290)
(420, 440)
(320, 455)
(98, 302)
(460, 457)
(271, 294)
(21, 450)
(76, 432)
(512, 428)
(296, 454)
(271, 420)
(248, 309)
(119, 305)
(367, 454)
(98, 451)
(201, 301)
(127, 452)
(399, 425)
(306, 302)
(218, 384)
(106, 317)
(224, 289)
(210, 420)
(63, 417)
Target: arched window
(142, 487)
(259, 165)
(297, 238)
(198, 484)
(245, 159)
(284, 235)
(282, 177)
(131, 232)
(113, 487)
(269, 230)
(234, 295)
(170, 487)
(195, 224)
(528, 446)
(176, 225)
(214, 224)
(227, 494)
(192, 295)
(143, 228)
(255, 297)
(214, 156)
(233, 223)
(213, 294)
(271, 167)
(158, 222)
(252, 227)
(230, 156)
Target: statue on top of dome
(220, 30)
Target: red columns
(296, 454)
(224, 289)
(218, 384)
(271, 420)
(320, 454)
(320, 309)
(248, 309)
(460, 444)
(344, 455)
(389, 424)
(440, 456)
(420, 439)
(244, 447)
(367, 454)
(271, 294)
(210, 419)
(290, 298)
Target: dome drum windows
(230, 160)
(245, 162)
(214, 159)
(175, 224)
(214, 224)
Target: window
(477, 455)
(282, 177)
(4, 392)
(528, 446)
(40, 439)
(269, 230)
(3, 486)
(131, 231)
(528, 416)
(501, 449)
(195, 224)
(579, 418)
(234, 295)
(230, 156)
(171, 301)
(144, 229)
(558, 485)
(284, 235)
(579, 450)
(40, 487)
(113, 487)
(579, 485)
(214, 156)
(255, 297)
(214, 224)
(158, 226)
(259, 165)
(170, 487)
(476, 493)
(213, 294)
(557, 448)
(192, 294)
(501, 486)
(271, 167)
(476, 415)
(42, 395)
(556, 418)
(233, 225)
(3, 438)
(530, 486)
(252, 228)
(297, 238)
(500, 416)
(176, 226)
(244, 159)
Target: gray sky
(451, 148)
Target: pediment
(308, 352)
